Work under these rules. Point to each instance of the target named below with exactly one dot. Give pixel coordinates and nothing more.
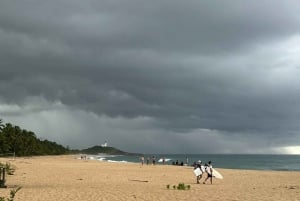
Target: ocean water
(230, 161)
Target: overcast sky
(159, 76)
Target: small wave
(107, 155)
(166, 160)
(101, 159)
(112, 161)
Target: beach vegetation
(10, 169)
(1, 124)
(20, 142)
(12, 194)
(180, 186)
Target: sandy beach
(63, 178)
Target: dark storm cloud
(226, 66)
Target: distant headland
(106, 150)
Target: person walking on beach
(153, 160)
(142, 160)
(199, 165)
(209, 171)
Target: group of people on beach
(142, 159)
(162, 160)
(206, 168)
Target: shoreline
(107, 158)
(294, 165)
(67, 178)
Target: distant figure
(153, 160)
(142, 160)
(187, 160)
(176, 162)
(209, 171)
(164, 160)
(148, 160)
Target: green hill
(106, 150)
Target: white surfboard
(197, 172)
(216, 174)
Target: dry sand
(57, 178)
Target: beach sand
(64, 178)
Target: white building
(104, 145)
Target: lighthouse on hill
(104, 145)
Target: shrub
(12, 194)
(180, 186)
(8, 168)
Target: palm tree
(1, 124)
(4, 141)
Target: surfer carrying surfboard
(209, 171)
(200, 171)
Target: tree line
(20, 142)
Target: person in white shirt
(209, 171)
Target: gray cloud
(226, 68)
